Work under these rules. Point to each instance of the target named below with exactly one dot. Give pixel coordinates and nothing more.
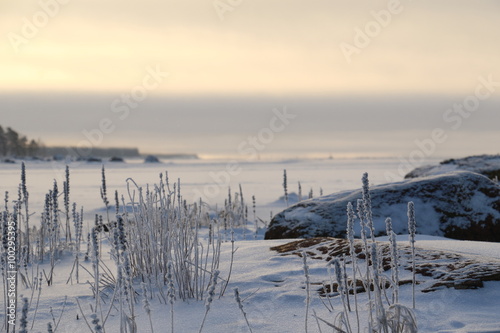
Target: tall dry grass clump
(385, 314)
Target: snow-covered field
(272, 289)
(208, 178)
(272, 286)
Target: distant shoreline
(100, 152)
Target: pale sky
(259, 47)
(363, 77)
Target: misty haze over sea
(241, 127)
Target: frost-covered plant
(157, 227)
(305, 267)
(171, 294)
(285, 186)
(233, 250)
(66, 187)
(400, 319)
(40, 280)
(124, 273)
(55, 215)
(117, 203)
(393, 250)
(361, 215)
(381, 320)
(78, 226)
(89, 246)
(255, 217)
(95, 323)
(95, 264)
(367, 205)
(104, 194)
(45, 227)
(240, 306)
(210, 296)
(396, 318)
(147, 306)
(412, 229)
(388, 226)
(342, 292)
(159, 231)
(350, 237)
(300, 192)
(23, 322)
(25, 196)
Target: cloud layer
(267, 47)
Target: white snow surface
(271, 285)
(272, 289)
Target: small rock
(151, 159)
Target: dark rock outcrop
(460, 205)
(151, 159)
(116, 159)
(487, 165)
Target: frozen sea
(271, 285)
(209, 179)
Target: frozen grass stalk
(171, 294)
(66, 205)
(95, 322)
(95, 264)
(308, 292)
(350, 236)
(23, 323)
(367, 204)
(117, 203)
(393, 249)
(25, 194)
(381, 323)
(412, 229)
(240, 306)
(104, 195)
(300, 192)
(210, 297)
(255, 217)
(40, 280)
(342, 292)
(147, 306)
(361, 216)
(285, 187)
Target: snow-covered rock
(151, 159)
(459, 204)
(488, 165)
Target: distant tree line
(14, 144)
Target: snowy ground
(263, 179)
(272, 286)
